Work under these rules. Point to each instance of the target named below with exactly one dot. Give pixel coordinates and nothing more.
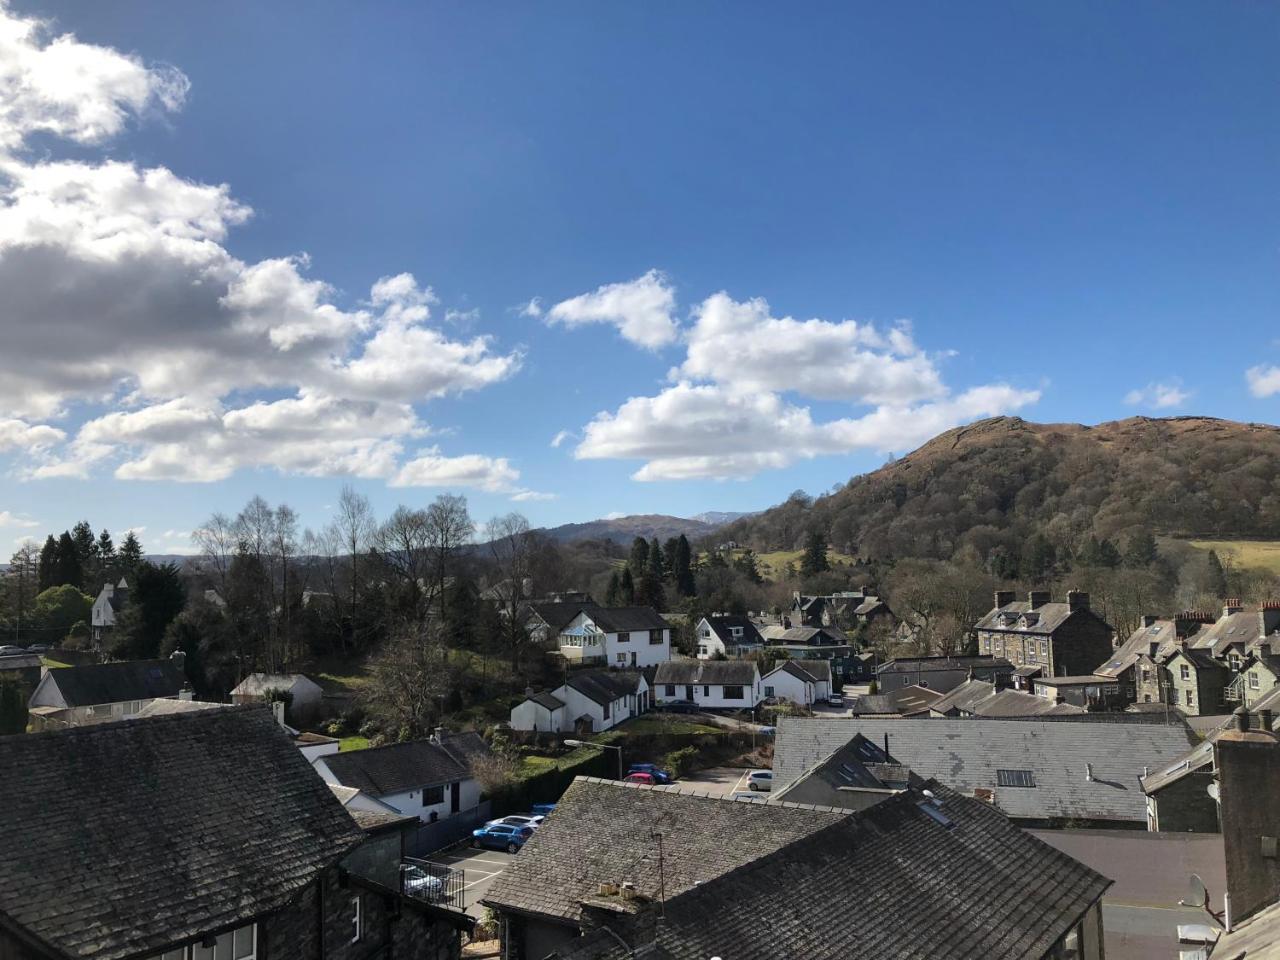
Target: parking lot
(718, 781)
(479, 869)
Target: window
(1253, 680)
(706, 690)
(357, 920)
(733, 693)
(1044, 648)
(1146, 674)
(622, 658)
(702, 649)
(100, 710)
(241, 944)
(624, 637)
(433, 795)
(736, 631)
(1015, 778)
(1191, 698)
(1184, 672)
(768, 692)
(655, 636)
(132, 707)
(986, 644)
(669, 690)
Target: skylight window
(1015, 778)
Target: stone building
(1063, 639)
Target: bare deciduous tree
(408, 681)
(512, 546)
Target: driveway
(479, 869)
(717, 781)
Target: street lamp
(602, 746)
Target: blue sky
(1064, 211)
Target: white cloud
(1263, 381)
(174, 336)
(431, 469)
(75, 90)
(730, 413)
(10, 519)
(742, 346)
(526, 496)
(1160, 396)
(532, 309)
(642, 310)
(614, 515)
(561, 437)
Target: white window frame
(357, 919)
(194, 951)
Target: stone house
(196, 836)
(1065, 639)
(1138, 663)
(941, 674)
(1196, 683)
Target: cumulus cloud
(532, 309)
(561, 437)
(736, 408)
(1263, 381)
(1159, 396)
(642, 309)
(174, 337)
(431, 469)
(527, 496)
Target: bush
(681, 762)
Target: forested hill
(995, 483)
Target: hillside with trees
(1006, 490)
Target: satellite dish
(1197, 893)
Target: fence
(431, 837)
(432, 882)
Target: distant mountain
(626, 529)
(994, 484)
(718, 518)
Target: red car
(648, 778)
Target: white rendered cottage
(590, 701)
(711, 684)
(616, 637)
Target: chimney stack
(1264, 721)
(1037, 598)
(277, 711)
(1233, 605)
(1269, 618)
(437, 735)
(1079, 600)
(1148, 619)
(1248, 763)
(1004, 597)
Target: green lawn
(532, 766)
(1259, 554)
(353, 743)
(655, 724)
(53, 664)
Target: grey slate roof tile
(741, 672)
(125, 838)
(965, 754)
(98, 683)
(395, 768)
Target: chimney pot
(1242, 719)
(1037, 598)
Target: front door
(688, 693)
(455, 790)
(633, 658)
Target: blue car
(500, 836)
(543, 808)
(659, 775)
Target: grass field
(1259, 554)
(663, 724)
(353, 743)
(53, 664)
(774, 564)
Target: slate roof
(605, 686)
(545, 699)
(160, 708)
(909, 699)
(1156, 638)
(257, 684)
(964, 697)
(1043, 620)
(20, 661)
(1200, 659)
(976, 888)
(100, 683)
(743, 672)
(464, 747)
(721, 627)
(1082, 680)
(126, 838)
(933, 664)
(602, 831)
(810, 636)
(965, 753)
(1197, 758)
(1010, 704)
(395, 768)
(617, 619)
(557, 615)
(810, 671)
(1244, 628)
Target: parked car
(519, 820)
(648, 778)
(39, 648)
(836, 700)
(542, 809)
(500, 836)
(768, 731)
(9, 650)
(679, 706)
(418, 883)
(659, 775)
(746, 795)
(760, 780)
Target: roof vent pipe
(1088, 772)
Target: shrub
(681, 762)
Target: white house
(590, 701)
(805, 683)
(354, 800)
(428, 779)
(102, 692)
(306, 694)
(616, 637)
(110, 601)
(727, 635)
(711, 684)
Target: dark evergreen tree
(650, 590)
(814, 560)
(1039, 560)
(87, 555)
(157, 595)
(746, 564)
(48, 568)
(669, 557)
(626, 588)
(1216, 581)
(1141, 550)
(639, 561)
(613, 593)
(130, 555)
(1108, 554)
(67, 567)
(682, 568)
(13, 706)
(105, 552)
